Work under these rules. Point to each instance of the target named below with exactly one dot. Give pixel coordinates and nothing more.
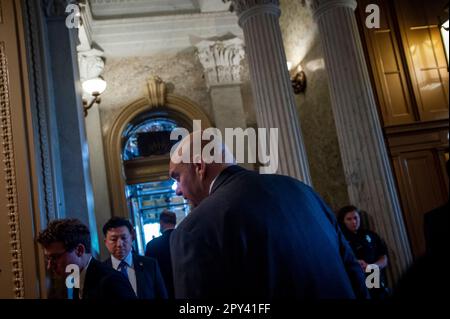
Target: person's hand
(363, 264)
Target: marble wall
(302, 45)
(126, 78)
(183, 73)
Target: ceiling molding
(160, 34)
(108, 9)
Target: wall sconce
(93, 87)
(298, 79)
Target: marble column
(221, 61)
(271, 85)
(366, 163)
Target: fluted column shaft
(366, 163)
(275, 104)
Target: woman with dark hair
(367, 246)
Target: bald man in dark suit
(258, 236)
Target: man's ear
(200, 169)
(80, 250)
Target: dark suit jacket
(102, 282)
(149, 282)
(266, 237)
(159, 248)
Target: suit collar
(168, 231)
(89, 275)
(137, 263)
(140, 275)
(225, 175)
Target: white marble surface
(301, 42)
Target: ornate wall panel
(8, 166)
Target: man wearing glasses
(67, 249)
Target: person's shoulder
(147, 262)
(154, 241)
(372, 235)
(100, 270)
(367, 232)
(107, 261)
(285, 180)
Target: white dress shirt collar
(128, 259)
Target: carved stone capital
(90, 63)
(156, 89)
(221, 61)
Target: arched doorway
(137, 155)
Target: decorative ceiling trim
(109, 9)
(159, 34)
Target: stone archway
(177, 107)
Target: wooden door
(422, 188)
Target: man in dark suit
(252, 235)
(159, 248)
(67, 249)
(142, 272)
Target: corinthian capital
(221, 60)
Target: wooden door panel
(424, 53)
(421, 190)
(388, 71)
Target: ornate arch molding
(180, 108)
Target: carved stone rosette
(10, 177)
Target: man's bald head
(195, 163)
(202, 146)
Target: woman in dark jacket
(367, 246)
